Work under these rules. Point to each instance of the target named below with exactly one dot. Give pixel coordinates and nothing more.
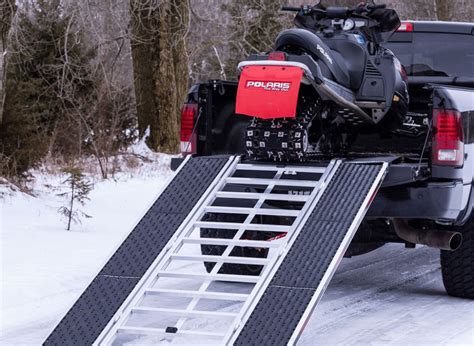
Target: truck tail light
(448, 146)
(405, 27)
(188, 135)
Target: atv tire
(217, 250)
(458, 266)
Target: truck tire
(217, 250)
(458, 266)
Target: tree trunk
(180, 56)
(71, 206)
(165, 86)
(442, 9)
(160, 69)
(7, 12)
(144, 42)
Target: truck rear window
(435, 54)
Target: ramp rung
(283, 182)
(221, 259)
(197, 294)
(260, 211)
(210, 277)
(251, 167)
(231, 242)
(250, 226)
(151, 331)
(265, 196)
(192, 313)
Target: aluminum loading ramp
(272, 238)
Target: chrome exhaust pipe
(444, 240)
(341, 101)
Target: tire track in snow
(400, 300)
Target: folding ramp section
(200, 288)
(103, 297)
(282, 307)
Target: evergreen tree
(48, 78)
(78, 191)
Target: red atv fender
(268, 92)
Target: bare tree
(454, 10)
(179, 28)
(449, 10)
(110, 118)
(7, 12)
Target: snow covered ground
(44, 268)
(390, 296)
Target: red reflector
(269, 92)
(278, 56)
(448, 146)
(188, 140)
(405, 27)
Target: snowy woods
(88, 78)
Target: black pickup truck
(430, 185)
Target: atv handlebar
(304, 10)
(291, 8)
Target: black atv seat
(342, 59)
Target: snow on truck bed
(390, 296)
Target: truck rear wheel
(458, 266)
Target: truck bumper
(439, 201)
(403, 195)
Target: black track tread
(458, 266)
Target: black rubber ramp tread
(103, 297)
(96, 306)
(290, 291)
